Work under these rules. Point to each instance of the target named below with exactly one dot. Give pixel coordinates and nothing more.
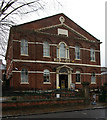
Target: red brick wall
(35, 52)
(25, 104)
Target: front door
(63, 81)
(62, 84)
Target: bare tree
(12, 9)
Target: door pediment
(64, 66)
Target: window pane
(62, 50)
(24, 47)
(24, 75)
(57, 52)
(92, 54)
(67, 53)
(46, 49)
(46, 75)
(93, 79)
(77, 52)
(77, 76)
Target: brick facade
(46, 29)
(103, 75)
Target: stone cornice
(61, 36)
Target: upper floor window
(24, 76)
(24, 47)
(62, 51)
(77, 52)
(92, 54)
(93, 78)
(46, 75)
(46, 49)
(78, 77)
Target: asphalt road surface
(92, 113)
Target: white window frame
(78, 72)
(24, 47)
(24, 76)
(46, 49)
(92, 54)
(66, 56)
(93, 76)
(47, 73)
(77, 51)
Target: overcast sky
(89, 14)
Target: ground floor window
(93, 79)
(24, 76)
(78, 77)
(46, 75)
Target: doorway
(63, 81)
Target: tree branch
(17, 9)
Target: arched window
(46, 75)
(92, 54)
(46, 49)
(78, 77)
(62, 51)
(24, 47)
(93, 78)
(24, 76)
(77, 52)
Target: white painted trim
(97, 74)
(39, 43)
(75, 31)
(16, 41)
(41, 72)
(16, 71)
(46, 82)
(18, 60)
(51, 62)
(58, 25)
(47, 56)
(55, 45)
(31, 43)
(93, 82)
(77, 59)
(26, 55)
(24, 83)
(78, 83)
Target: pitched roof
(49, 21)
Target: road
(93, 113)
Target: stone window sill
(78, 83)
(24, 83)
(46, 83)
(24, 55)
(93, 83)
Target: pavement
(51, 109)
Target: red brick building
(52, 52)
(2, 71)
(103, 75)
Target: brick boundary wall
(17, 104)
